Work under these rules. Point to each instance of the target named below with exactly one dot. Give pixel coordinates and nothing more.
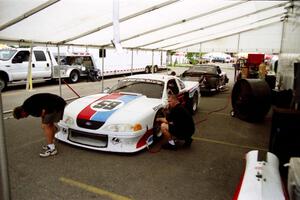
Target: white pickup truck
(14, 66)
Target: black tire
(147, 70)
(193, 104)
(156, 125)
(155, 69)
(3, 84)
(74, 77)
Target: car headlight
(68, 120)
(83, 68)
(122, 127)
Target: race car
(123, 119)
(210, 77)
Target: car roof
(158, 77)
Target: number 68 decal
(106, 105)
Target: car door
(19, 65)
(40, 65)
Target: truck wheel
(3, 84)
(155, 69)
(74, 77)
(147, 70)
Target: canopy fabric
(192, 25)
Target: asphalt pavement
(210, 169)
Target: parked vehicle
(130, 61)
(124, 118)
(14, 64)
(210, 77)
(217, 59)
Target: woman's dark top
(43, 101)
(181, 123)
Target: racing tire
(193, 104)
(74, 77)
(156, 125)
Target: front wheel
(3, 84)
(193, 104)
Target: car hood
(115, 107)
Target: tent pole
(59, 78)
(29, 73)
(131, 61)
(5, 185)
(102, 71)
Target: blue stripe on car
(102, 116)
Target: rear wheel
(74, 77)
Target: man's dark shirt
(43, 101)
(181, 123)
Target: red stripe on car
(88, 112)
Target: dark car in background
(210, 77)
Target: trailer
(110, 62)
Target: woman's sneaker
(48, 152)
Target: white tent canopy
(190, 25)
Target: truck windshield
(6, 54)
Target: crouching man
(50, 108)
(178, 124)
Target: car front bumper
(126, 143)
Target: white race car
(122, 120)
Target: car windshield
(149, 88)
(6, 54)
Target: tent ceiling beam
(183, 21)
(121, 20)
(228, 35)
(39, 43)
(212, 25)
(28, 14)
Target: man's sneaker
(45, 147)
(48, 152)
